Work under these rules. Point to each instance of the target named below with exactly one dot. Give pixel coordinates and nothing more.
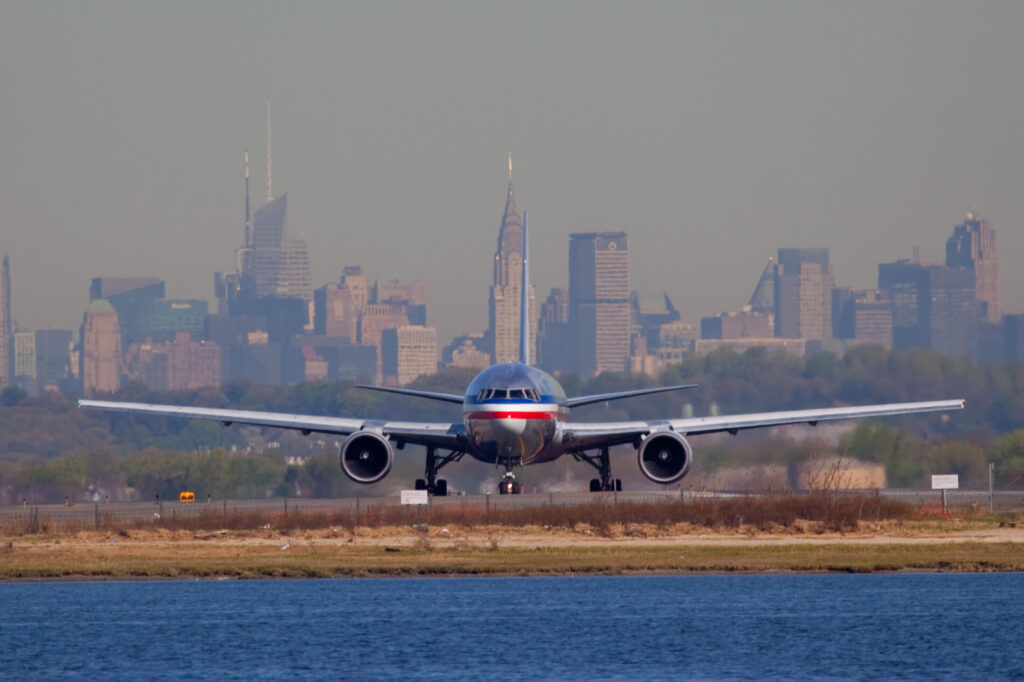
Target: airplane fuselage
(513, 415)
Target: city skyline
(878, 144)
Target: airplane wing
(579, 436)
(431, 395)
(442, 434)
(618, 395)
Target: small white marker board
(415, 497)
(946, 482)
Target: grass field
(921, 545)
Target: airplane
(517, 415)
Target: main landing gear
(432, 484)
(601, 462)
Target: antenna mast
(524, 300)
(269, 181)
(248, 217)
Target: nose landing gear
(509, 485)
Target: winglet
(524, 302)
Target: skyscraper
(6, 326)
(407, 353)
(101, 349)
(273, 262)
(599, 312)
(932, 306)
(803, 294)
(132, 298)
(506, 292)
(52, 356)
(553, 332)
(763, 299)
(973, 246)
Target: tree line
(48, 444)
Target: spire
(270, 194)
(248, 215)
(511, 215)
(763, 299)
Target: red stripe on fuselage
(511, 414)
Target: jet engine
(664, 457)
(366, 457)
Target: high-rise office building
(132, 298)
(407, 353)
(506, 291)
(742, 325)
(803, 286)
(862, 315)
(52, 356)
(932, 306)
(599, 311)
(412, 296)
(168, 317)
(178, 364)
(6, 326)
(337, 307)
(973, 246)
(25, 361)
(294, 278)
(553, 332)
(100, 354)
(465, 351)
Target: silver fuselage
(513, 415)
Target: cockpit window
(530, 394)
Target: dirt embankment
(502, 550)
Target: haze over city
(713, 134)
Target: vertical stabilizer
(524, 302)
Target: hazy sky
(712, 132)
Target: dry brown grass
(828, 512)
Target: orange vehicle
(187, 496)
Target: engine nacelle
(664, 457)
(366, 457)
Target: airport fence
(89, 516)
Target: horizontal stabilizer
(605, 397)
(430, 395)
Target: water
(944, 626)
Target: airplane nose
(509, 426)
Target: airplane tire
(618, 485)
(441, 490)
(421, 484)
(595, 485)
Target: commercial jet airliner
(516, 415)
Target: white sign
(415, 497)
(946, 482)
